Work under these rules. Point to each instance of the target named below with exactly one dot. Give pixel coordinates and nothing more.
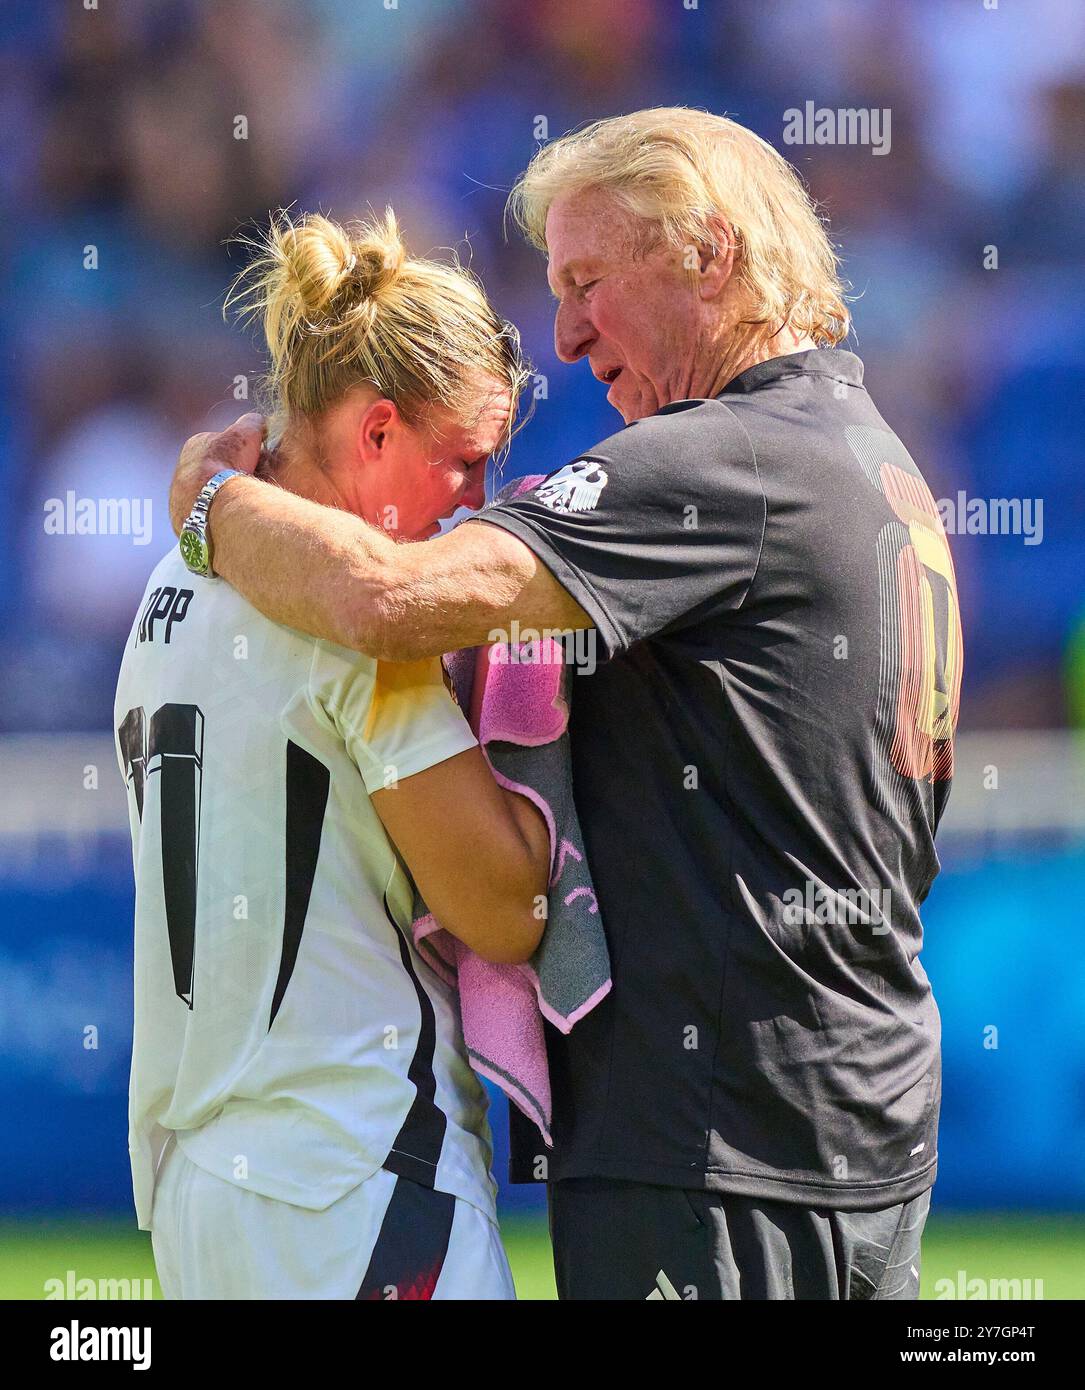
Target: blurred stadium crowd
(121, 141)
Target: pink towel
(521, 727)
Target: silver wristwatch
(195, 542)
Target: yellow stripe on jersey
(402, 692)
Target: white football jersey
(285, 1027)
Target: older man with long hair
(763, 751)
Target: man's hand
(204, 455)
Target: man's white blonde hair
(677, 169)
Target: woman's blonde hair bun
(377, 257)
(314, 270)
(341, 304)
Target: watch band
(195, 541)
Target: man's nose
(573, 333)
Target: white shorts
(388, 1238)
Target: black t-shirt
(760, 760)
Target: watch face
(194, 551)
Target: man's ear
(716, 259)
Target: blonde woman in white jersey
(303, 1119)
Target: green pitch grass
(989, 1246)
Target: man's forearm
(308, 566)
(329, 573)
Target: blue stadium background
(119, 133)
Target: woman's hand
(240, 446)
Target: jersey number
(171, 749)
(921, 646)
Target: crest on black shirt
(574, 488)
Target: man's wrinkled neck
(748, 346)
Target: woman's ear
(377, 423)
